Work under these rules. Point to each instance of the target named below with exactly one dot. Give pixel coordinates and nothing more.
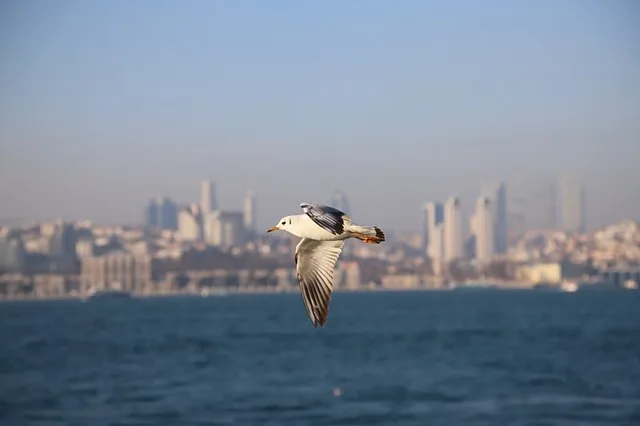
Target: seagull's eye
(283, 223)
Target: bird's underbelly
(315, 232)
(321, 234)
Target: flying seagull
(323, 230)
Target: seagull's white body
(323, 230)
(304, 227)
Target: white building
(250, 212)
(497, 195)
(208, 202)
(189, 227)
(482, 227)
(224, 229)
(433, 215)
(453, 244)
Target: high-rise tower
(573, 209)
(432, 216)
(453, 244)
(162, 213)
(208, 202)
(483, 229)
(249, 212)
(340, 202)
(497, 196)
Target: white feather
(315, 263)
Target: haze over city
(486, 151)
(106, 105)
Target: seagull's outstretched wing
(315, 262)
(326, 217)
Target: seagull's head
(283, 224)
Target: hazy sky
(104, 104)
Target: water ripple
(426, 358)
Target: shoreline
(255, 291)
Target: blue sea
(407, 358)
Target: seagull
(323, 230)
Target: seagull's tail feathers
(368, 234)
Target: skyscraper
(531, 206)
(62, 246)
(436, 248)
(453, 244)
(208, 202)
(516, 210)
(573, 209)
(483, 229)
(497, 196)
(162, 213)
(339, 201)
(190, 224)
(249, 212)
(12, 253)
(542, 211)
(223, 228)
(433, 214)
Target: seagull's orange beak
(275, 228)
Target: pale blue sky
(104, 104)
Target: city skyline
(195, 248)
(563, 207)
(496, 196)
(214, 254)
(506, 202)
(405, 103)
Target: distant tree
(426, 267)
(181, 281)
(498, 269)
(591, 270)
(371, 270)
(460, 270)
